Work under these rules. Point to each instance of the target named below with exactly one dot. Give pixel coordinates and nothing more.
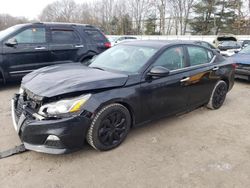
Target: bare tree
(7, 21)
(161, 6)
(60, 11)
(139, 10)
(182, 9)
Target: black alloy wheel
(109, 127)
(113, 128)
(218, 96)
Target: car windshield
(124, 58)
(6, 32)
(229, 43)
(245, 50)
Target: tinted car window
(172, 59)
(95, 35)
(64, 37)
(199, 56)
(31, 35)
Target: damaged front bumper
(53, 136)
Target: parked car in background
(27, 47)
(242, 60)
(118, 39)
(58, 107)
(245, 43)
(229, 48)
(205, 44)
(224, 37)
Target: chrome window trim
(24, 71)
(195, 66)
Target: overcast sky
(27, 8)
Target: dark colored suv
(26, 47)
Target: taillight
(234, 65)
(107, 44)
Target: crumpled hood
(241, 58)
(67, 78)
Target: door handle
(215, 68)
(185, 79)
(40, 48)
(79, 46)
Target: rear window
(64, 37)
(95, 35)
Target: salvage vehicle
(26, 47)
(59, 107)
(227, 44)
(242, 59)
(205, 44)
(224, 37)
(229, 48)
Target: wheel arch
(88, 55)
(122, 102)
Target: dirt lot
(203, 148)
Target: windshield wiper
(97, 68)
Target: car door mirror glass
(11, 42)
(158, 71)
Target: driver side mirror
(11, 42)
(158, 71)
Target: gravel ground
(203, 148)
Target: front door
(30, 53)
(166, 95)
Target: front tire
(109, 127)
(218, 95)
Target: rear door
(202, 74)
(30, 53)
(65, 44)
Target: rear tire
(109, 127)
(218, 95)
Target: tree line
(152, 17)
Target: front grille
(25, 106)
(19, 109)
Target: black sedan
(61, 106)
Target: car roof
(156, 43)
(59, 24)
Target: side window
(172, 59)
(199, 56)
(64, 37)
(95, 35)
(31, 35)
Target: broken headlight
(64, 106)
